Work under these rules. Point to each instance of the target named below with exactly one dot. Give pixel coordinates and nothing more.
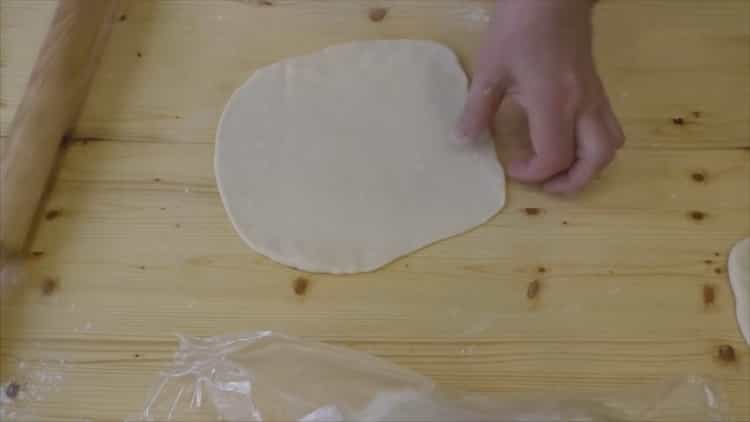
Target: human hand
(539, 52)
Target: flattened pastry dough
(344, 160)
(739, 278)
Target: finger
(551, 128)
(481, 105)
(613, 125)
(596, 149)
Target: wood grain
(24, 25)
(660, 60)
(140, 247)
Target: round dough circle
(344, 160)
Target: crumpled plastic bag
(264, 376)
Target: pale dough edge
(739, 280)
(319, 267)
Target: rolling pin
(48, 111)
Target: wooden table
(134, 244)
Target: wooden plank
(110, 380)
(167, 217)
(141, 248)
(657, 58)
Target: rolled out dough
(739, 278)
(344, 160)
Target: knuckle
(482, 84)
(619, 140)
(555, 163)
(574, 87)
(571, 80)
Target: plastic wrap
(265, 376)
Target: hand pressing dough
(739, 278)
(344, 160)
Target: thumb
(481, 105)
